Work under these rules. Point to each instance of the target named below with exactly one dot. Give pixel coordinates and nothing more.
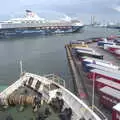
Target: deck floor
(27, 113)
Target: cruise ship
(35, 97)
(32, 24)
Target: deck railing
(56, 79)
(77, 105)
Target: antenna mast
(21, 67)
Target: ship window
(53, 86)
(30, 81)
(37, 86)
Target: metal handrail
(56, 78)
(99, 113)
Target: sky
(103, 10)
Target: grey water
(41, 54)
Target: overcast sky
(82, 9)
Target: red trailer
(114, 76)
(116, 112)
(102, 82)
(109, 97)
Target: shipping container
(87, 60)
(116, 112)
(80, 43)
(102, 82)
(83, 49)
(105, 67)
(90, 53)
(109, 97)
(114, 76)
(91, 66)
(91, 58)
(102, 43)
(85, 67)
(117, 52)
(112, 48)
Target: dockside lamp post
(93, 91)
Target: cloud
(117, 8)
(52, 8)
(65, 6)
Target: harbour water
(41, 54)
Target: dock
(83, 84)
(79, 86)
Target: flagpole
(21, 67)
(93, 91)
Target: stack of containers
(116, 112)
(109, 97)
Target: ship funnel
(30, 14)
(67, 18)
(27, 11)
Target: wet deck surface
(87, 84)
(27, 113)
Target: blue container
(85, 62)
(89, 68)
(85, 67)
(100, 43)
